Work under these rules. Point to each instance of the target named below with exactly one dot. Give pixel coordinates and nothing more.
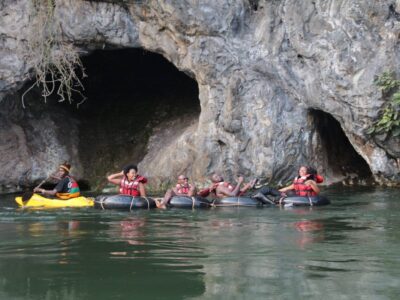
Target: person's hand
(240, 179)
(38, 190)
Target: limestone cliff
(273, 78)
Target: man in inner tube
(66, 188)
(182, 188)
(305, 185)
(222, 189)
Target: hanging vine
(56, 63)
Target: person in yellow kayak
(66, 188)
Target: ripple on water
(346, 250)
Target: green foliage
(387, 81)
(389, 121)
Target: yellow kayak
(40, 201)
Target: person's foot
(160, 204)
(263, 199)
(253, 183)
(281, 200)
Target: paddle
(28, 195)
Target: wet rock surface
(262, 69)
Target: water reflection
(130, 230)
(311, 231)
(52, 259)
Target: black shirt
(63, 185)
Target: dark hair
(312, 172)
(129, 167)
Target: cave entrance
(130, 92)
(341, 159)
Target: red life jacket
(131, 188)
(302, 189)
(183, 189)
(319, 178)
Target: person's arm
(204, 192)
(46, 192)
(224, 191)
(313, 185)
(175, 191)
(60, 187)
(287, 188)
(142, 190)
(248, 186)
(115, 178)
(192, 190)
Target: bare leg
(168, 195)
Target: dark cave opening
(130, 92)
(341, 157)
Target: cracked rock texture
(262, 68)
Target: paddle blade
(26, 196)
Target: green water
(347, 250)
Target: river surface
(347, 250)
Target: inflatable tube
(124, 202)
(237, 201)
(40, 201)
(189, 202)
(305, 201)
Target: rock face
(269, 74)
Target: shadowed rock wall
(260, 67)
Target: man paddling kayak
(66, 188)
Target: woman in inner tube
(304, 185)
(129, 181)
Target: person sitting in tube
(129, 181)
(182, 188)
(304, 185)
(66, 188)
(222, 189)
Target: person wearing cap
(182, 188)
(66, 188)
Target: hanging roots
(56, 63)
